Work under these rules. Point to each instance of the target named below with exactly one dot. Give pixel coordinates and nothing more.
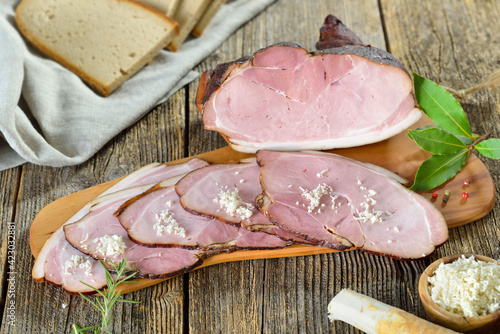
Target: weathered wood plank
(41, 308)
(222, 298)
(454, 44)
(9, 185)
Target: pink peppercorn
(465, 194)
(434, 195)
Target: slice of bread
(103, 41)
(172, 7)
(187, 15)
(205, 19)
(168, 7)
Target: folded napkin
(48, 116)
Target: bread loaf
(205, 19)
(103, 41)
(187, 15)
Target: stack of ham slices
(167, 219)
(196, 210)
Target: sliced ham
(339, 203)
(284, 97)
(67, 266)
(157, 219)
(100, 235)
(49, 266)
(208, 190)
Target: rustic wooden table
(455, 43)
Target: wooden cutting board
(398, 154)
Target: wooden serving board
(398, 154)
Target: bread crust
(98, 86)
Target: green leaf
(490, 148)
(465, 140)
(436, 140)
(438, 169)
(441, 106)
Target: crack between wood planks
(186, 121)
(185, 304)
(263, 311)
(384, 27)
(4, 282)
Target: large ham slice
(157, 219)
(208, 191)
(284, 97)
(339, 203)
(51, 261)
(100, 235)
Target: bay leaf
(436, 140)
(438, 169)
(490, 148)
(441, 106)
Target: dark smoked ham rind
(334, 34)
(211, 80)
(336, 38)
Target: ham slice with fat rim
(286, 98)
(339, 203)
(227, 192)
(157, 219)
(100, 235)
(50, 263)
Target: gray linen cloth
(59, 121)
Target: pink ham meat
(339, 203)
(156, 219)
(91, 236)
(66, 266)
(50, 262)
(286, 98)
(199, 189)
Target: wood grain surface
(454, 43)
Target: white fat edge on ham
(38, 271)
(57, 237)
(327, 144)
(110, 242)
(387, 172)
(125, 194)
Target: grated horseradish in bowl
(462, 292)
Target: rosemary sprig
(109, 297)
